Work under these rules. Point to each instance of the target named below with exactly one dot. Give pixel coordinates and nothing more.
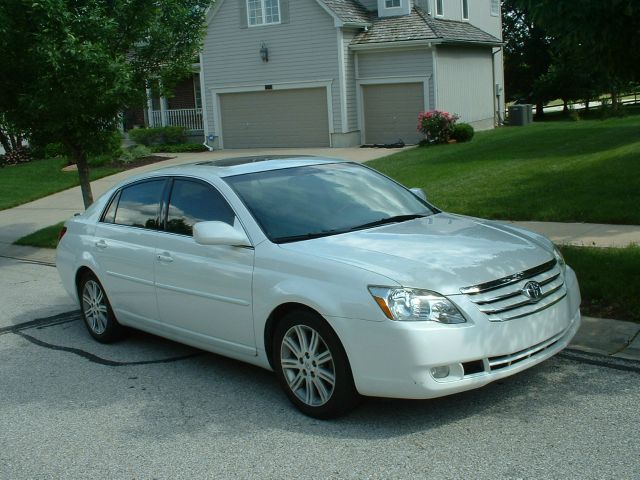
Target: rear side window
(139, 205)
(192, 202)
(110, 215)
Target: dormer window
(263, 12)
(392, 3)
(439, 8)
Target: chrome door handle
(101, 244)
(165, 258)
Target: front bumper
(395, 359)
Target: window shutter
(284, 11)
(242, 10)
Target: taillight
(63, 230)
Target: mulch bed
(141, 162)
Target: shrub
(436, 125)
(133, 153)
(158, 136)
(16, 156)
(462, 132)
(179, 148)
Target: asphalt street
(149, 408)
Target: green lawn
(29, 181)
(585, 171)
(609, 280)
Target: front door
(204, 291)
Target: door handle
(165, 257)
(101, 244)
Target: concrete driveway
(25, 219)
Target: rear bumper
(395, 359)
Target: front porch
(190, 118)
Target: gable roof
(420, 26)
(349, 11)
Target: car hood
(442, 252)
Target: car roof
(228, 167)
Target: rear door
(204, 291)
(124, 248)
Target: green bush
(436, 125)
(462, 132)
(133, 153)
(158, 136)
(179, 148)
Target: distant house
(320, 73)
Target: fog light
(440, 372)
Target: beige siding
(275, 118)
(303, 50)
(465, 83)
(391, 112)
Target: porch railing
(190, 118)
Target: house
(318, 73)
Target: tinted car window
(139, 204)
(110, 214)
(192, 202)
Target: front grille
(503, 299)
(497, 363)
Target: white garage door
(391, 112)
(275, 118)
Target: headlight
(559, 259)
(413, 305)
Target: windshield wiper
(385, 221)
(309, 236)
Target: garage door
(275, 118)
(391, 112)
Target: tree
(527, 53)
(607, 29)
(71, 66)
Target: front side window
(192, 202)
(392, 3)
(139, 205)
(465, 9)
(495, 7)
(263, 12)
(313, 201)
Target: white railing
(190, 118)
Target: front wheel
(96, 310)
(312, 366)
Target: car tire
(96, 310)
(312, 366)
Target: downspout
(203, 100)
(497, 121)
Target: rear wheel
(312, 366)
(96, 310)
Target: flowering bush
(437, 126)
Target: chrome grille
(504, 299)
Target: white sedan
(344, 282)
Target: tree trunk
(565, 106)
(4, 141)
(586, 105)
(614, 98)
(539, 109)
(80, 157)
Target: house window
(439, 9)
(495, 7)
(263, 12)
(465, 9)
(392, 3)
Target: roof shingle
(349, 11)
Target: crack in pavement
(72, 317)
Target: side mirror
(418, 192)
(219, 233)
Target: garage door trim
(425, 80)
(217, 91)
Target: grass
(585, 171)
(609, 280)
(44, 238)
(29, 181)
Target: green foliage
(16, 156)
(134, 153)
(159, 135)
(462, 132)
(437, 126)
(75, 65)
(179, 148)
(559, 171)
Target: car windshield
(307, 202)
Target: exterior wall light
(264, 53)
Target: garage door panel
(391, 112)
(275, 118)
